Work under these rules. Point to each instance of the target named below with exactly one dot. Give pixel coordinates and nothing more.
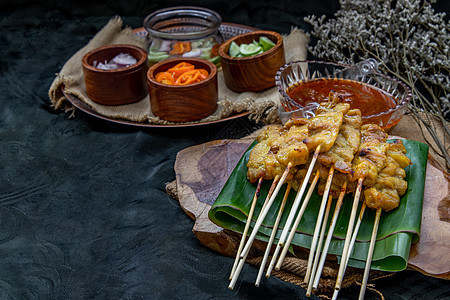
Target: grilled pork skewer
(340, 156)
(323, 129)
(385, 195)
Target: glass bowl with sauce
(304, 84)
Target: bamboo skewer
(258, 223)
(241, 261)
(247, 226)
(352, 243)
(318, 224)
(319, 247)
(294, 227)
(293, 210)
(329, 235)
(265, 211)
(272, 236)
(370, 254)
(345, 251)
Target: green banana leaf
(398, 228)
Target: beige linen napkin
(262, 106)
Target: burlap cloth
(262, 106)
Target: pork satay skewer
(319, 247)
(298, 198)
(323, 130)
(329, 235)
(369, 161)
(241, 261)
(370, 254)
(278, 146)
(292, 233)
(385, 194)
(339, 157)
(272, 236)
(264, 212)
(294, 208)
(247, 226)
(318, 224)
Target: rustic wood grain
(119, 86)
(183, 103)
(253, 73)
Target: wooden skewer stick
(265, 210)
(258, 223)
(352, 243)
(295, 225)
(351, 222)
(319, 246)
(294, 207)
(318, 223)
(272, 236)
(329, 235)
(247, 226)
(370, 254)
(242, 260)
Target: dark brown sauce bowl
(252, 73)
(183, 103)
(119, 86)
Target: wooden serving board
(201, 172)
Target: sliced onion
(108, 66)
(165, 46)
(124, 59)
(193, 53)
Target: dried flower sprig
(408, 39)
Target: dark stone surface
(83, 207)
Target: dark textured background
(83, 207)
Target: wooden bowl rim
(142, 60)
(228, 58)
(181, 88)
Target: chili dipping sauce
(376, 105)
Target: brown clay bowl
(119, 86)
(183, 103)
(252, 73)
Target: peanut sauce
(371, 101)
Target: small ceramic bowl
(119, 86)
(252, 73)
(302, 85)
(183, 103)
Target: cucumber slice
(234, 49)
(215, 60)
(266, 43)
(157, 56)
(249, 49)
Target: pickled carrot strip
(180, 48)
